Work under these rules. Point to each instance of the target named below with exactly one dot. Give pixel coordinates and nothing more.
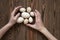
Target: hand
(13, 18)
(38, 22)
(40, 26)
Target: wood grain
(49, 9)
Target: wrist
(41, 29)
(47, 34)
(10, 24)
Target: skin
(40, 26)
(11, 22)
(37, 26)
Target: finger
(15, 10)
(32, 26)
(17, 15)
(35, 14)
(29, 25)
(38, 14)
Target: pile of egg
(26, 15)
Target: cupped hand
(13, 17)
(38, 22)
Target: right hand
(38, 22)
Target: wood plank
(57, 19)
(49, 9)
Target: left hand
(38, 25)
(13, 18)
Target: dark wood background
(49, 9)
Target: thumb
(29, 25)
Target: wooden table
(49, 9)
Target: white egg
(25, 21)
(32, 14)
(29, 9)
(30, 20)
(25, 15)
(20, 20)
(22, 9)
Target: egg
(32, 14)
(29, 9)
(20, 20)
(25, 15)
(22, 9)
(25, 21)
(30, 20)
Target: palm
(38, 22)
